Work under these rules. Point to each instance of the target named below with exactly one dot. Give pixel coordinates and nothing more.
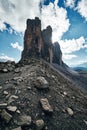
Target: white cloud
(2, 26)
(69, 3)
(68, 56)
(17, 46)
(15, 13)
(82, 8)
(10, 30)
(75, 62)
(80, 61)
(72, 45)
(5, 58)
(56, 17)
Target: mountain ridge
(41, 92)
(27, 85)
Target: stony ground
(36, 97)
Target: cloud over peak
(15, 14)
(68, 47)
(82, 8)
(55, 16)
(69, 3)
(72, 45)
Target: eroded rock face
(38, 43)
(57, 54)
(48, 47)
(32, 39)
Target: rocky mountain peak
(37, 95)
(38, 43)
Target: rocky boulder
(7, 66)
(41, 83)
(39, 124)
(46, 106)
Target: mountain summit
(38, 43)
(40, 92)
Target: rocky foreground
(34, 96)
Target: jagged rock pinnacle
(38, 43)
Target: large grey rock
(0, 87)
(70, 111)
(5, 93)
(18, 79)
(18, 128)
(45, 105)
(4, 70)
(41, 83)
(17, 70)
(10, 62)
(18, 111)
(3, 105)
(24, 120)
(12, 98)
(10, 68)
(85, 122)
(39, 124)
(12, 108)
(6, 116)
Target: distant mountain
(84, 65)
(37, 93)
(79, 68)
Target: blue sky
(68, 19)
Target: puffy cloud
(15, 12)
(69, 3)
(17, 46)
(56, 17)
(76, 62)
(79, 62)
(82, 8)
(4, 58)
(68, 56)
(72, 45)
(2, 25)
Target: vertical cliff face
(47, 40)
(57, 54)
(38, 43)
(33, 42)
